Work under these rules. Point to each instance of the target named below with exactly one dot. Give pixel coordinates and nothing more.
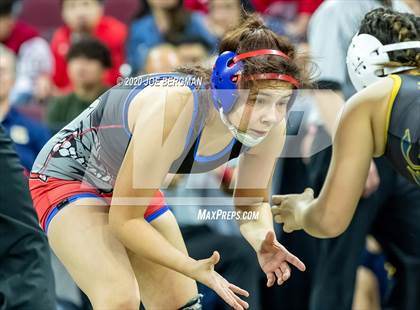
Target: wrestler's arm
(252, 192)
(253, 185)
(159, 136)
(148, 158)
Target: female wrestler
(382, 119)
(96, 183)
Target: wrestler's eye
(261, 100)
(283, 100)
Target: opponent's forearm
(255, 231)
(144, 240)
(319, 223)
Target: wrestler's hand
(289, 209)
(274, 260)
(204, 273)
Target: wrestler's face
(262, 108)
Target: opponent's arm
(349, 167)
(353, 148)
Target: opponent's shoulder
(368, 109)
(377, 93)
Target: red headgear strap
(273, 76)
(267, 76)
(259, 52)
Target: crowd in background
(58, 56)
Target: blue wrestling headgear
(227, 72)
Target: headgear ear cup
(223, 88)
(367, 55)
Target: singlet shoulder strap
(394, 92)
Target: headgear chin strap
(227, 72)
(242, 136)
(366, 57)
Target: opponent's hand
(274, 260)
(288, 209)
(204, 273)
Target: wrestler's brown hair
(252, 35)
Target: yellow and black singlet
(403, 126)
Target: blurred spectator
(87, 60)
(277, 7)
(193, 51)
(36, 108)
(197, 5)
(166, 57)
(163, 21)
(28, 136)
(34, 58)
(223, 15)
(123, 10)
(162, 58)
(203, 5)
(85, 18)
(372, 280)
(295, 13)
(42, 93)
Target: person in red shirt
(203, 5)
(303, 6)
(295, 12)
(85, 18)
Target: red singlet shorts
(50, 194)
